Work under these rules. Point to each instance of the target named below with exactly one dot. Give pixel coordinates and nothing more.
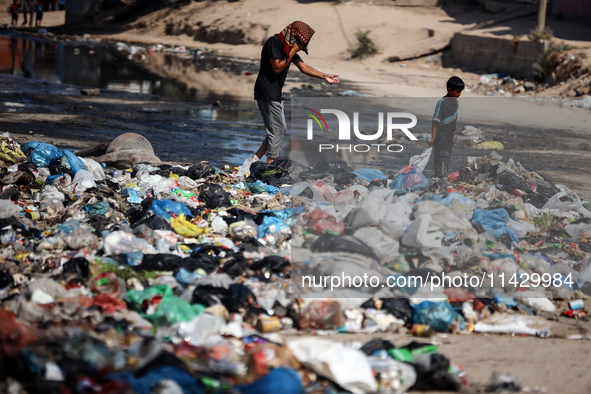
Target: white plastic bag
(349, 368)
(372, 209)
(8, 209)
(382, 245)
(244, 169)
(579, 230)
(421, 160)
(422, 234)
(94, 168)
(572, 204)
(83, 181)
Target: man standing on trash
(444, 126)
(278, 53)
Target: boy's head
(455, 85)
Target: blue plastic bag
(286, 213)
(409, 180)
(494, 221)
(164, 208)
(260, 187)
(147, 382)
(42, 154)
(99, 208)
(280, 380)
(75, 163)
(369, 174)
(270, 225)
(439, 315)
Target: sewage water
(199, 77)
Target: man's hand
(331, 78)
(431, 141)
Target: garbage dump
(190, 278)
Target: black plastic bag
(344, 178)
(79, 266)
(262, 171)
(235, 267)
(11, 194)
(399, 307)
(160, 262)
(155, 222)
(6, 280)
(332, 166)
(275, 264)
(375, 345)
(200, 170)
(208, 295)
(436, 375)
(344, 243)
(214, 196)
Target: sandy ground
(557, 365)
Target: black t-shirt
(446, 114)
(268, 85)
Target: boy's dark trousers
(441, 162)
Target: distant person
(278, 53)
(13, 11)
(39, 13)
(28, 8)
(444, 126)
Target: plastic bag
(214, 196)
(119, 242)
(421, 234)
(42, 154)
(439, 315)
(164, 208)
(83, 181)
(494, 221)
(200, 170)
(349, 368)
(94, 168)
(244, 169)
(382, 245)
(564, 201)
(11, 153)
(372, 209)
(8, 209)
(279, 380)
(521, 227)
(185, 228)
(579, 230)
(409, 180)
(395, 376)
(490, 145)
(271, 225)
(421, 159)
(322, 315)
(369, 174)
(76, 164)
(260, 187)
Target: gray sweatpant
(274, 119)
(441, 162)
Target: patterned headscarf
(294, 31)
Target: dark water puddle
(105, 66)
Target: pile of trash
(186, 278)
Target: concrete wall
(82, 11)
(493, 54)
